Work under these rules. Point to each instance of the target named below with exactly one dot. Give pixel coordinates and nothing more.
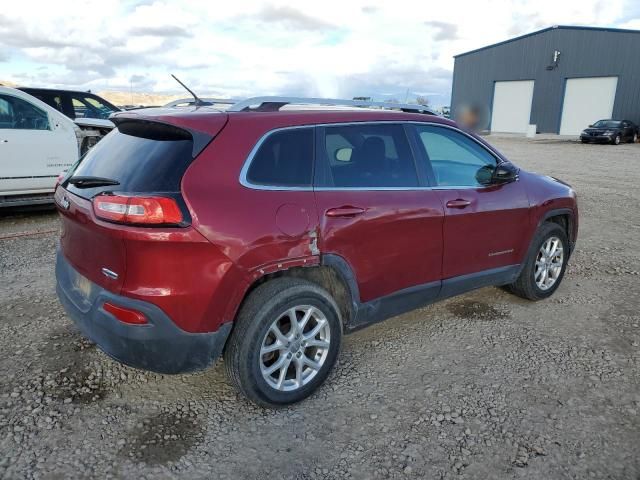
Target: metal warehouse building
(560, 79)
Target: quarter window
(456, 160)
(17, 114)
(284, 159)
(369, 155)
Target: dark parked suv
(265, 235)
(74, 104)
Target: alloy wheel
(549, 263)
(295, 348)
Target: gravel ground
(481, 386)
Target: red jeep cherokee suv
(266, 235)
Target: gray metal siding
(584, 53)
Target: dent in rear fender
(245, 280)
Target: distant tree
(363, 99)
(421, 100)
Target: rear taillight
(125, 315)
(137, 210)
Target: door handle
(458, 203)
(345, 211)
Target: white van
(37, 143)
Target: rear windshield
(152, 160)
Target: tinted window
(369, 155)
(52, 100)
(284, 159)
(18, 114)
(456, 159)
(80, 109)
(139, 164)
(86, 106)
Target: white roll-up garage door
(586, 100)
(511, 106)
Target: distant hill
(126, 98)
(137, 98)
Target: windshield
(607, 124)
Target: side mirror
(590, 126)
(504, 173)
(484, 175)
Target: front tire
(616, 140)
(544, 268)
(634, 138)
(285, 342)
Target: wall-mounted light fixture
(556, 59)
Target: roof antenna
(198, 102)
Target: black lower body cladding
(159, 346)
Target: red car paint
(392, 240)
(411, 221)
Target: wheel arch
(333, 274)
(563, 217)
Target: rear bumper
(159, 346)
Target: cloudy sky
(239, 48)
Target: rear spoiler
(156, 130)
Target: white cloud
(252, 47)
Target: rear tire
(271, 334)
(532, 283)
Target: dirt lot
(481, 386)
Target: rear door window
(368, 156)
(50, 99)
(283, 159)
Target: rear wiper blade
(88, 182)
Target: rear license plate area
(82, 285)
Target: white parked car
(37, 143)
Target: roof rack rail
(207, 101)
(273, 104)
